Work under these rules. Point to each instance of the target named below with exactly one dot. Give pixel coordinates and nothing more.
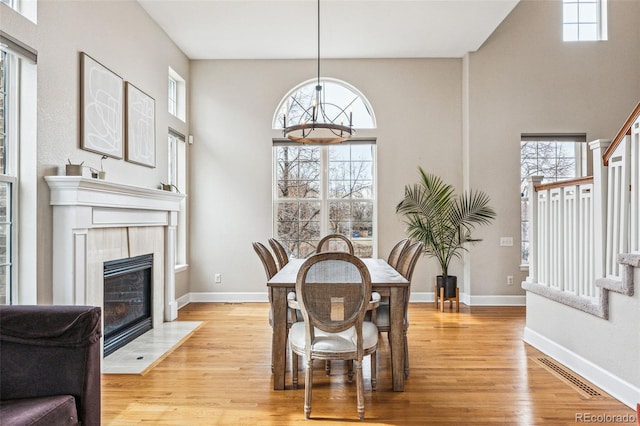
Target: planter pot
(450, 285)
(73, 169)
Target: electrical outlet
(509, 279)
(506, 241)
(218, 278)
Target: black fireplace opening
(127, 300)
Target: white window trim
(21, 168)
(178, 177)
(181, 95)
(601, 22)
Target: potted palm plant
(443, 221)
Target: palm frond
(434, 215)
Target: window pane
(362, 189)
(362, 152)
(339, 189)
(566, 149)
(339, 212)
(3, 111)
(570, 13)
(309, 212)
(570, 32)
(296, 106)
(588, 13)
(362, 211)
(525, 252)
(588, 32)
(340, 153)
(4, 285)
(5, 244)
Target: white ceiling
(287, 29)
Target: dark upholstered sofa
(50, 365)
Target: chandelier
(320, 122)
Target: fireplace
(97, 221)
(127, 300)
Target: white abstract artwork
(102, 108)
(141, 127)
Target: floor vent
(569, 377)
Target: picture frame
(140, 126)
(101, 108)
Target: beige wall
(525, 79)
(417, 104)
(123, 38)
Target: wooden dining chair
(267, 259)
(281, 253)
(396, 251)
(270, 269)
(335, 242)
(406, 265)
(333, 292)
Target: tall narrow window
(177, 176)
(584, 20)
(8, 145)
(556, 158)
(173, 96)
(177, 95)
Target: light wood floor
(467, 368)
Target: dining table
(384, 279)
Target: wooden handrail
(624, 131)
(563, 183)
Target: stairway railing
(585, 233)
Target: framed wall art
(101, 120)
(140, 126)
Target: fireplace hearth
(127, 300)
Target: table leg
(396, 326)
(279, 339)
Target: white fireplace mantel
(82, 204)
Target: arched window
(337, 97)
(329, 188)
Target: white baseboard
(226, 297)
(416, 297)
(497, 300)
(615, 386)
(183, 301)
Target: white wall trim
(617, 387)
(497, 300)
(228, 297)
(183, 301)
(416, 297)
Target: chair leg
(308, 380)
(360, 389)
(374, 370)
(406, 356)
(294, 369)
